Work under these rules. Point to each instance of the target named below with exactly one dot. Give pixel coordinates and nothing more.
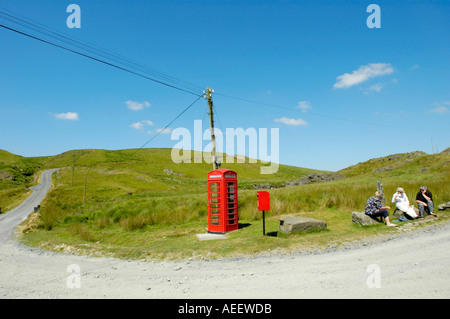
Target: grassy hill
(132, 183)
(142, 205)
(399, 164)
(16, 175)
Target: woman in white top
(402, 202)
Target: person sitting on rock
(424, 200)
(374, 208)
(401, 201)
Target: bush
(82, 232)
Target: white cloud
(140, 125)
(164, 130)
(375, 88)
(364, 73)
(72, 116)
(136, 106)
(440, 109)
(289, 121)
(304, 106)
(415, 66)
(137, 125)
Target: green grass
(21, 174)
(134, 209)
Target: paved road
(10, 220)
(414, 265)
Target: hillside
(138, 205)
(16, 175)
(156, 164)
(400, 164)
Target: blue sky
(339, 92)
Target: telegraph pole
(211, 124)
(73, 167)
(84, 195)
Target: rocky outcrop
(6, 176)
(314, 178)
(171, 172)
(266, 186)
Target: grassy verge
(180, 242)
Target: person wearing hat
(424, 200)
(401, 201)
(374, 208)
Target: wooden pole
(85, 183)
(380, 189)
(73, 167)
(211, 124)
(264, 223)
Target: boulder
(398, 213)
(361, 218)
(289, 224)
(444, 206)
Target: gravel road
(411, 265)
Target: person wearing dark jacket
(424, 200)
(374, 208)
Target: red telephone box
(222, 201)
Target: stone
(6, 176)
(444, 206)
(290, 224)
(361, 218)
(398, 213)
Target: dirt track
(414, 265)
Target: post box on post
(263, 205)
(222, 201)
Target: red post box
(222, 201)
(263, 200)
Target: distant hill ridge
(160, 161)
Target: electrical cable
(98, 60)
(181, 85)
(162, 130)
(49, 32)
(323, 115)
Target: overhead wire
(142, 70)
(170, 123)
(115, 60)
(181, 85)
(322, 115)
(34, 25)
